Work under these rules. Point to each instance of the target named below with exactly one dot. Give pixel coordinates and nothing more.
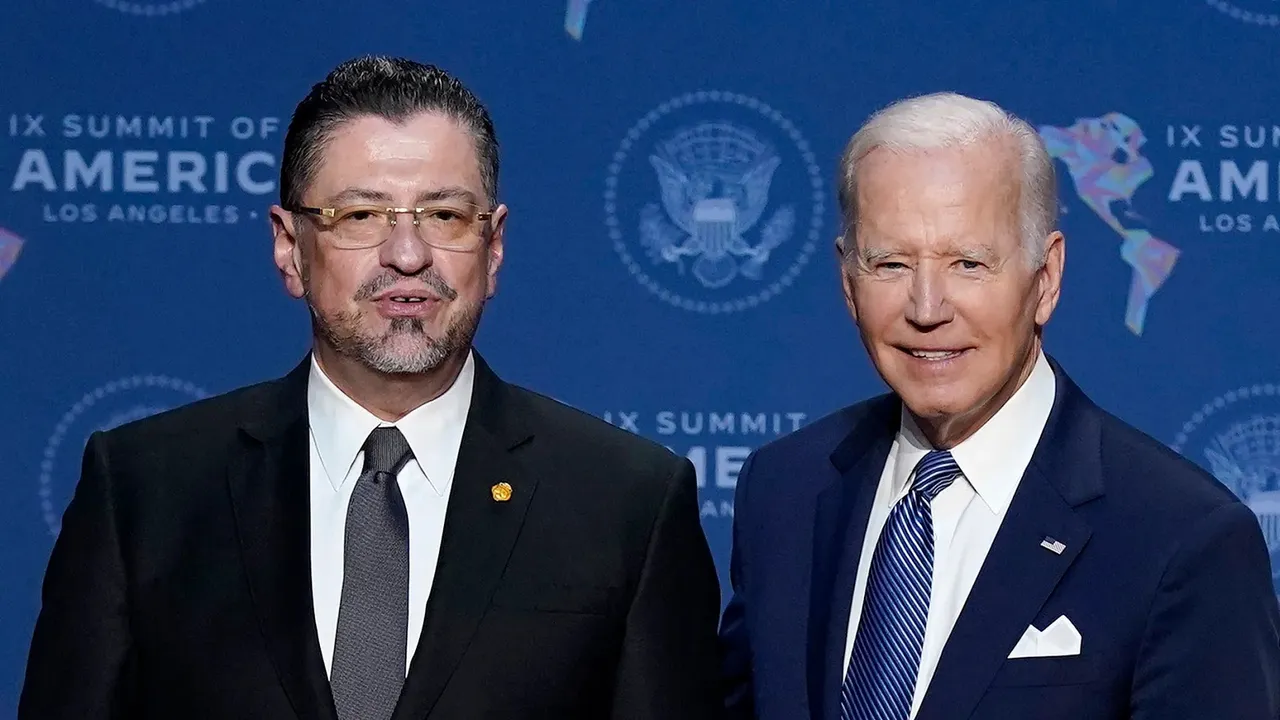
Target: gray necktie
(373, 618)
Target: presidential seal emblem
(103, 408)
(713, 202)
(152, 8)
(1254, 12)
(1237, 438)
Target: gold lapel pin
(501, 492)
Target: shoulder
(1141, 466)
(1187, 533)
(1141, 469)
(609, 480)
(1126, 482)
(820, 438)
(787, 470)
(584, 439)
(174, 463)
(200, 431)
(1142, 480)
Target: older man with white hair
(983, 541)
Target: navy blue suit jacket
(1165, 574)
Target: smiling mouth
(935, 354)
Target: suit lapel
(269, 487)
(840, 523)
(1019, 574)
(1016, 578)
(479, 534)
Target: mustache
(429, 277)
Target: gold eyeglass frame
(393, 215)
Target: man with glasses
(389, 531)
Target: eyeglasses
(448, 226)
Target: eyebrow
(982, 253)
(450, 192)
(871, 255)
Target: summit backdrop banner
(669, 168)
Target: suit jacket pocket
(548, 596)
(1071, 670)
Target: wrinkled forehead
(990, 166)
(949, 192)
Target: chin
(403, 364)
(935, 405)
(401, 355)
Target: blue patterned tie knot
(934, 473)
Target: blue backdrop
(140, 145)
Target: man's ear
(495, 248)
(844, 263)
(1049, 277)
(288, 251)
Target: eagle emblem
(714, 180)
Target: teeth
(935, 354)
(408, 299)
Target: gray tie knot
(386, 450)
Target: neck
(388, 396)
(945, 433)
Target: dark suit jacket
(180, 586)
(1165, 574)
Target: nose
(404, 250)
(928, 305)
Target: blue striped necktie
(881, 679)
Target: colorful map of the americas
(1104, 158)
(10, 246)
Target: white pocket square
(1060, 639)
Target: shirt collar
(994, 458)
(340, 426)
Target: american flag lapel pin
(1054, 546)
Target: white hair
(947, 120)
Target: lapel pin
(1054, 546)
(501, 492)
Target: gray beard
(342, 332)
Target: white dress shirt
(966, 515)
(339, 428)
